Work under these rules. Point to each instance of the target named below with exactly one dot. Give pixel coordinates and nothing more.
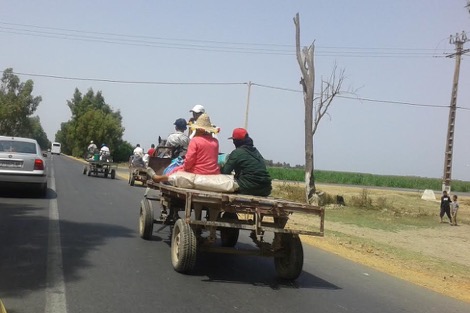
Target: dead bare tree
(313, 112)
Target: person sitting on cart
(151, 150)
(105, 153)
(137, 158)
(138, 151)
(178, 140)
(197, 111)
(248, 164)
(202, 154)
(92, 148)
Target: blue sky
(390, 51)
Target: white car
(23, 163)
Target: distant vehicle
(22, 163)
(55, 148)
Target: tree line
(92, 119)
(17, 105)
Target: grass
(374, 208)
(388, 230)
(348, 178)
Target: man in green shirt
(250, 170)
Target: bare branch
(300, 59)
(329, 90)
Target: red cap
(238, 134)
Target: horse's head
(161, 142)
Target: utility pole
(458, 40)
(247, 105)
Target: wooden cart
(211, 221)
(100, 167)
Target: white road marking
(55, 289)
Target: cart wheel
(106, 172)
(183, 247)
(146, 219)
(289, 266)
(113, 174)
(84, 170)
(229, 236)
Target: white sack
(182, 179)
(217, 183)
(428, 194)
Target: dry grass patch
(393, 231)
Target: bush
(363, 200)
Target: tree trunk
(305, 60)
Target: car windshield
(17, 146)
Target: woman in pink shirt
(203, 151)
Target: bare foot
(159, 178)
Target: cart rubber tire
(290, 265)
(131, 180)
(229, 236)
(146, 219)
(183, 247)
(84, 170)
(106, 172)
(113, 173)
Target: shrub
(363, 200)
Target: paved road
(79, 251)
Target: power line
(127, 81)
(228, 83)
(153, 44)
(149, 37)
(209, 45)
(363, 99)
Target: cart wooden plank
(238, 203)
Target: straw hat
(204, 122)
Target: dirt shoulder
(437, 258)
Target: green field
(360, 179)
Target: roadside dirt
(445, 244)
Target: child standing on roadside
(445, 206)
(454, 209)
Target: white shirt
(104, 150)
(92, 147)
(139, 151)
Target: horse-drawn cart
(211, 221)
